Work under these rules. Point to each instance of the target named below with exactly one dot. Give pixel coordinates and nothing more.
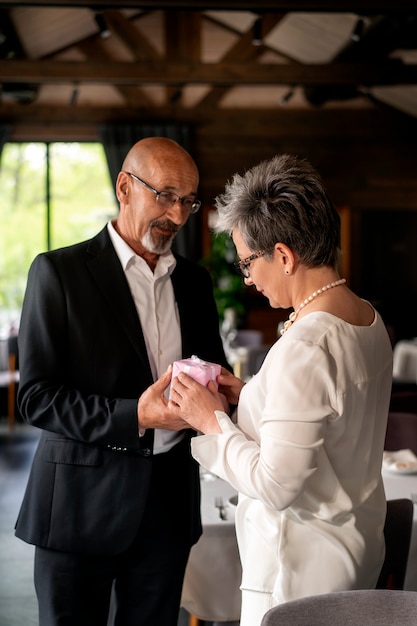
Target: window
(51, 195)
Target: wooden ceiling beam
(182, 33)
(95, 51)
(135, 42)
(138, 45)
(393, 72)
(361, 123)
(362, 7)
(242, 50)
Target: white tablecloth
(4, 355)
(211, 586)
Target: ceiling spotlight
(257, 32)
(284, 100)
(358, 30)
(74, 95)
(176, 96)
(102, 26)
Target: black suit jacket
(83, 365)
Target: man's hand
(230, 386)
(153, 411)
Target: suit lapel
(106, 270)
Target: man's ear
(122, 187)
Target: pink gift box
(201, 371)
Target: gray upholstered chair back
(369, 607)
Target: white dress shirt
(155, 303)
(306, 457)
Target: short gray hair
(282, 200)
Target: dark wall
(389, 267)
(368, 160)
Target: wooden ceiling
(191, 60)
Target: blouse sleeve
(282, 417)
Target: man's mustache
(165, 225)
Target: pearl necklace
(293, 316)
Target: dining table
(4, 353)
(211, 585)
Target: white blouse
(306, 457)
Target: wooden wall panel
(369, 166)
(367, 159)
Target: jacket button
(146, 451)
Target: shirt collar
(127, 256)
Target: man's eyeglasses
(244, 264)
(167, 199)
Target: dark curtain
(117, 140)
(4, 135)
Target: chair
(249, 338)
(403, 400)
(404, 358)
(388, 604)
(367, 607)
(401, 431)
(397, 533)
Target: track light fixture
(102, 26)
(358, 30)
(257, 32)
(74, 95)
(176, 96)
(284, 100)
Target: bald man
(113, 497)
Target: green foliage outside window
(81, 202)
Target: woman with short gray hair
(305, 449)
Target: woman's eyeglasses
(167, 199)
(244, 264)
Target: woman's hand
(196, 404)
(230, 386)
